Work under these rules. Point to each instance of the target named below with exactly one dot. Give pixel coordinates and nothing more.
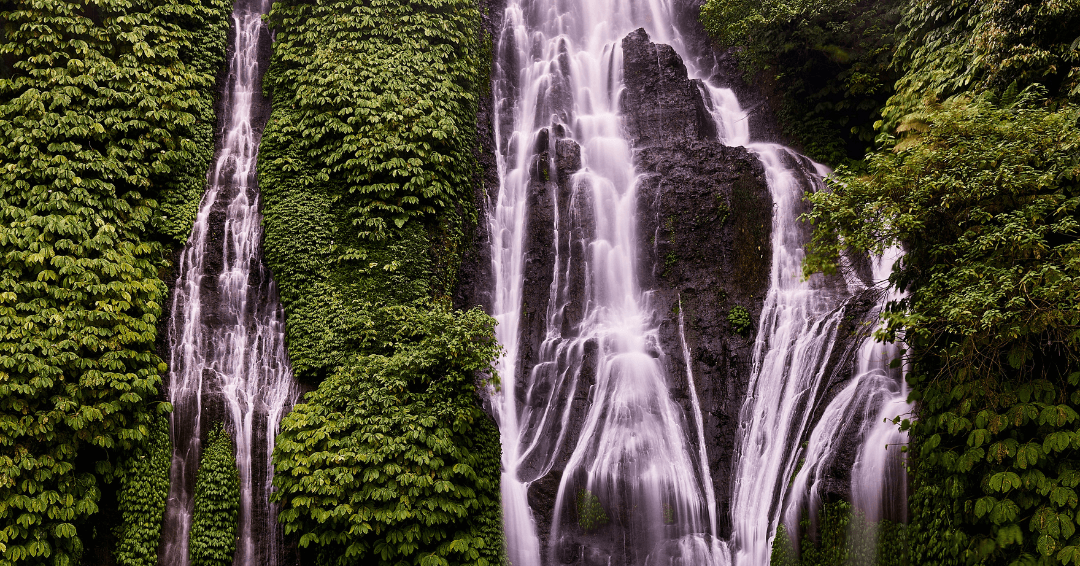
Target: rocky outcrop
(704, 221)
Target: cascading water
(864, 410)
(559, 75)
(226, 333)
(560, 70)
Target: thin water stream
(226, 334)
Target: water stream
(226, 335)
(560, 69)
(637, 457)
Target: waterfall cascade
(560, 74)
(226, 333)
(637, 455)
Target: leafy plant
(98, 107)
(144, 489)
(212, 541)
(986, 201)
(390, 460)
(590, 512)
(739, 318)
(829, 64)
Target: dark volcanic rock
(704, 223)
(660, 104)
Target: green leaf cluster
(390, 461)
(367, 169)
(739, 318)
(212, 539)
(591, 514)
(99, 107)
(379, 98)
(144, 489)
(949, 47)
(373, 124)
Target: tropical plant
(98, 107)
(985, 199)
(212, 541)
(390, 461)
(144, 489)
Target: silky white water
(226, 334)
(560, 65)
(865, 409)
(560, 68)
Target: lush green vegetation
(986, 202)
(830, 62)
(367, 169)
(976, 173)
(389, 461)
(212, 539)
(104, 114)
(144, 488)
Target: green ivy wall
(367, 170)
(105, 135)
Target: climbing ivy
(382, 99)
(367, 168)
(97, 102)
(144, 488)
(390, 461)
(212, 540)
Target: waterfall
(226, 334)
(637, 460)
(864, 409)
(632, 468)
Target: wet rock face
(704, 227)
(660, 105)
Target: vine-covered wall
(144, 488)
(105, 114)
(217, 503)
(367, 170)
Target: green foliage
(386, 93)
(381, 98)
(212, 540)
(830, 62)
(391, 460)
(144, 488)
(590, 512)
(954, 46)
(97, 106)
(842, 536)
(739, 318)
(986, 201)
